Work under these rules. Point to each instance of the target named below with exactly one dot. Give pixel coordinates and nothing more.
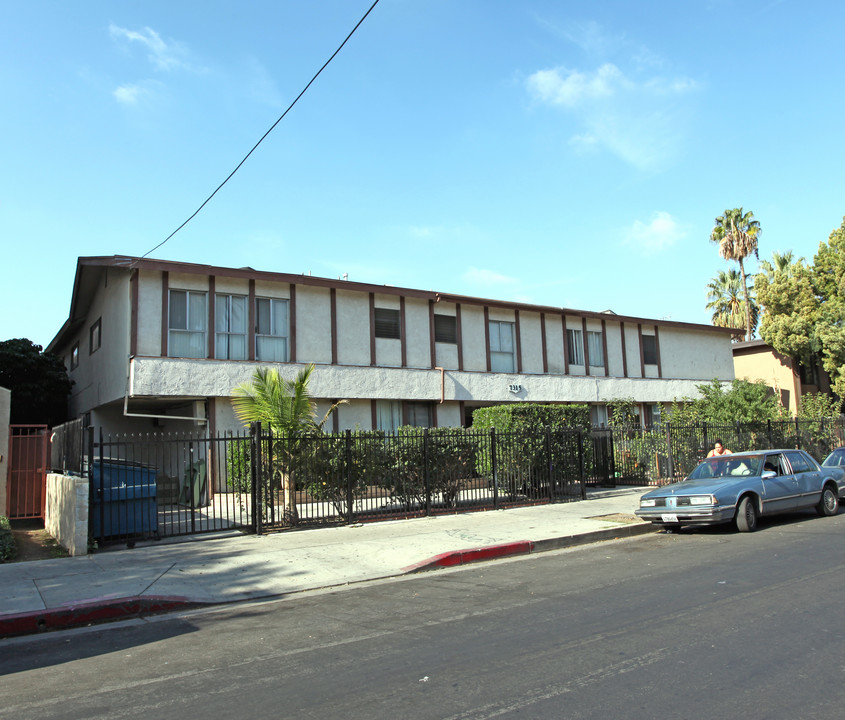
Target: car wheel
(746, 515)
(829, 503)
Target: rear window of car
(799, 462)
(835, 459)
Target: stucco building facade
(154, 345)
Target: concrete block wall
(66, 512)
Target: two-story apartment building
(154, 345)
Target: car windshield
(835, 459)
(728, 466)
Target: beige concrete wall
(774, 371)
(66, 512)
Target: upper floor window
(575, 347)
(188, 321)
(501, 346)
(95, 336)
(446, 329)
(74, 356)
(387, 323)
(595, 347)
(649, 350)
(230, 321)
(271, 329)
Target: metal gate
(27, 486)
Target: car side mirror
(768, 474)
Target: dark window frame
(387, 323)
(95, 333)
(650, 350)
(446, 329)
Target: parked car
(835, 459)
(742, 487)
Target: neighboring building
(756, 360)
(152, 344)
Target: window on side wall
(95, 336)
(271, 329)
(595, 348)
(575, 347)
(230, 321)
(387, 323)
(501, 346)
(74, 356)
(188, 322)
(446, 329)
(649, 349)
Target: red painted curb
(462, 557)
(88, 612)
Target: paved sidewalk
(162, 576)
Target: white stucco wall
(474, 336)
(313, 324)
(531, 342)
(149, 313)
(66, 512)
(100, 376)
(417, 345)
(353, 328)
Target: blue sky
(562, 153)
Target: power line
(272, 127)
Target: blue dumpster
(124, 499)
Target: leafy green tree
(780, 263)
(736, 233)
(727, 301)
(744, 401)
(38, 381)
(804, 309)
(287, 408)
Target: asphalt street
(697, 625)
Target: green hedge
(529, 416)
(7, 540)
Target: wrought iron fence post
(670, 462)
(551, 465)
(797, 434)
(426, 473)
(101, 489)
(350, 507)
(92, 491)
(255, 475)
(493, 469)
(581, 466)
(769, 432)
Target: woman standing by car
(718, 449)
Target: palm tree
(725, 299)
(287, 408)
(781, 262)
(736, 234)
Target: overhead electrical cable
(272, 127)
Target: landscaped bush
(7, 540)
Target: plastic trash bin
(124, 499)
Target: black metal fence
(162, 485)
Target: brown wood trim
(585, 345)
(333, 313)
(604, 348)
(518, 347)
(373, 415)
(133, 313)
(292, 328)
(251, 320)
(432, 344)
(372, 329)
(212, 307)
(565, 345)
(165, 311)
(657, 350)
(543, 343)
(403, 345)
(487, 336)
(462, 411)
(642, 359)
(624, 350)
(460, 337)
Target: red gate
(27, 487)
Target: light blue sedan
(742, 487)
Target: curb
(89, 613)
(524, 547)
